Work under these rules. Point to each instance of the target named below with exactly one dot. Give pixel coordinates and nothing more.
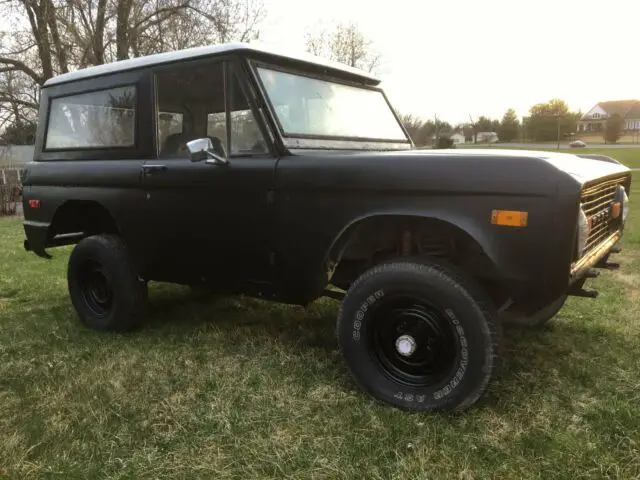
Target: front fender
(504, 246)
(538, 253)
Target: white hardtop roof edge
(195, 52)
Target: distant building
(457, 137)
(487, 137)
(628, 110)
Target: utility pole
(558, 121)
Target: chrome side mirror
(202, 149)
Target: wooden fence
(11, 191)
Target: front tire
(104, 284)
(419, 335)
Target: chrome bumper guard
(592, 258)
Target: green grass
(628, 156)
(240, 388)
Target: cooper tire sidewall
(472, 369)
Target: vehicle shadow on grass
(294, 326)
(549, 361)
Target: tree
(466, 129)
(613, 128)
(469, 132)
(20, 133)
(427, 130)
(508, 130)
(413, 125)
(547, 120)
(344, 43)
(49, 37)
(474, 129)
(484, 124)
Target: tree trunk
(122, 29)
(53, 28)
(98, 36)
(37, 14)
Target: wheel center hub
(406, 345)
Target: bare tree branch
(158, 13)
(5, 99)
(345, 43)
(18, 65)
(20, 51)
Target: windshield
(310, 107)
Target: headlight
(625, 206)
(583, 231)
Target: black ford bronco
(243, 170)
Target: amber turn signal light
(509, 218)
(616, 210)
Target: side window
(99, 119)
(186, 96)
(169, 123)
(191, 104)
(246, 137)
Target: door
(211, 222)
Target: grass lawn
(629, 156)
(240, 388)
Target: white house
(457, 138)
(628, 110)
(487, 137)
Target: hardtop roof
(208, 50)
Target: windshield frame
(319, 141)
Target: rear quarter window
(98, 119)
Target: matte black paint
(270, 224)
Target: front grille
(596, 202)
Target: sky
(481, 57)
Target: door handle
(151, 169)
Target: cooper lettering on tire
(430, 341)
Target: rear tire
(105, 285)
(537, 319)
(419, 335)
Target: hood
(475, 171)
(580, 168)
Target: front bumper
(592, 259)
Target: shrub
(444, 142)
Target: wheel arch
(80, 218)
(392, 224)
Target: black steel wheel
(95, 288)
(413, 339)
(104, 284)
(419, 335)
